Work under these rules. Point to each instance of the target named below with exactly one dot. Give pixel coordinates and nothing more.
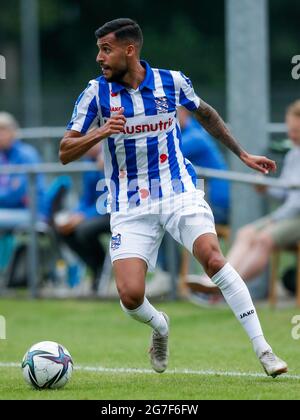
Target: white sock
(260, 345)
(147, 314)
(238, 298)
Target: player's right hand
(114, 125)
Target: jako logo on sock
(245, 314)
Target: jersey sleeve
(186, 94)
(86, 111)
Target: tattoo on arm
(213, 123)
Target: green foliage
(285, 39)
(189, 37)
(9, 23)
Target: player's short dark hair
(124, 29)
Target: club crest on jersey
(115, 241)
(162, 104)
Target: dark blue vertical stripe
(184, 101)
(127, 104)
(179, 135)
(114, 185)
(104, 95)
(169, 88)
(90, 116)
(153, 167)
(131, 167)
(149, 102)
(177, 184)
(191, 172)
(189, 167)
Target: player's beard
(117, 75)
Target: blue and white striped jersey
(145, 161)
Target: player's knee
(130, 298)
(215, 262)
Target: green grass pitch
(98, 334)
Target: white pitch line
(101, 369)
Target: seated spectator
(254, 243)
(200, 149)
(14, 199)
(81, 228)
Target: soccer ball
(47, 365)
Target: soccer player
(131, 109)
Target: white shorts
(139, 233)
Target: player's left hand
(259, 163)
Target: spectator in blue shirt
(200, 149)
(81, 229)
(14, 199)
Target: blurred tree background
(187, 37)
